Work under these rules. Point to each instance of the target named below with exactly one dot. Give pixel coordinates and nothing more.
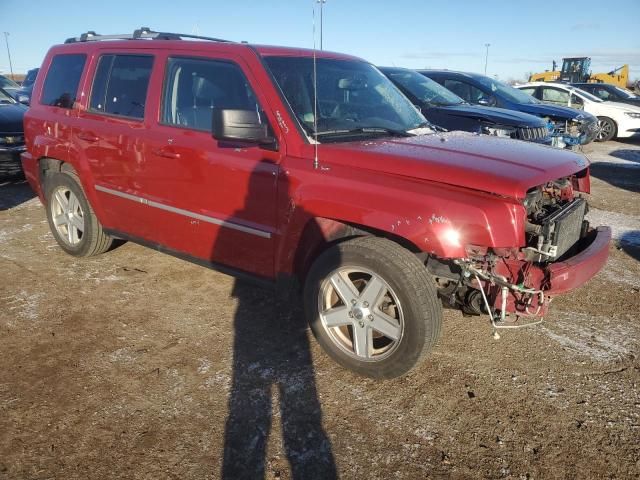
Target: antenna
(315, 92)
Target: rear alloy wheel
(372, 306)
(606, 129)
(72, 221)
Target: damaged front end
(562, 252)
(580, 130)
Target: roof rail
(143, 33)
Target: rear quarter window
(62, 80)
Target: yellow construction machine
(576, 70)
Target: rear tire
(372, 306)
(72, 221)
(607, 129)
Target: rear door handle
(88, 137)
(166, 152)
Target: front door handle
(166, 152)
(88, 137)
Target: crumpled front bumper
(567, 275)
(551, 279)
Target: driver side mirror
(24, 99)
(241, 125)
(487, 101)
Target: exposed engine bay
(512, 282)
(569, 133)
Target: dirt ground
(135, 364)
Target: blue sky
(524, 36)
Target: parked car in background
(609, 93)
(231, 155)
(30, 77)
(614, 119)
(571, 127)
(445, 109)
(23, 95)
(9, 86)
(11, 135)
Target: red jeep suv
(276, 163)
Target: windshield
(5, 97)
(423, 88)
(510, 93)
(351, 95)
(7, 83)
(625, 93)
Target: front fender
(436, 218)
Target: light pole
(486, 57)
(321, 2)
(6, 41)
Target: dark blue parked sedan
(445, 109)
(570, 126)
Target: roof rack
(143, 33)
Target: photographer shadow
(273, 376)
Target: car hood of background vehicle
(11, 116)
(499, 116)
(625, 107)
(480, 162)
(547, 110)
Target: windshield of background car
(424, 89)
(507, 91)
(625, 93)
(6, 98)
(7, 83)
(350, 95)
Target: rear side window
(120, 85)
(194, 87)
(61, 84)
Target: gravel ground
(135, 364)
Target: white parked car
(614, 119)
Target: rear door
(111, 134)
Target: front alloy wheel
(361, 313)
(372, 306)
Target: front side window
(350, 96)
(194, 87)
(554, 95)
(63, 77)
(120, 85)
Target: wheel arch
(318, 234)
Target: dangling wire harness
(498, 321)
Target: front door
(211, 199)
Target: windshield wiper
(365, 130)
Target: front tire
(372, 306)
(607, 129)
(72, 221)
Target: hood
(547, 110)
(11, 116)
(625, 107)
(480, 162)
(500, 116)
